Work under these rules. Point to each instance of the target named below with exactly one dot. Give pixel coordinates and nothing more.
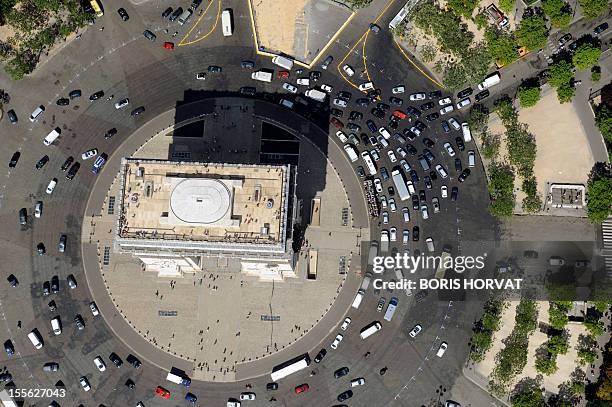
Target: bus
(226, 22)
(391, 309)
(400, 184)
(399, 17)
(96, 8)
(292, 366)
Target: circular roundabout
(224, 324)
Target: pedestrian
(19, 324)
(102, 28)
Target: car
(381, 304)
(337, 341)
(115, 359)
(89, 154)
(416, 233)
(55, 284)
(374, 155)
(445, 101)
(14, 159)
(345, 324)
(302, 388)
(319, 357)
(12, 116)
(73, 171)
(464, 93)
(95, 312)
(272, 386)
(427, 105)
(99, 363)
(427, 142)
(444, 191)
(161, 392)
(123, 14)
(201, 76)
(405, 237)
(167, 12)
(391, 190)
(464, 175)
(137, 111)
(343, 371)
(345, 395)
(398, 89)
(392, 156)
(9, 348)
(385, 218)
(51, 367)
(46, 288)
(482, 95)
(460, 143)
(12, 280)
(434, 94)
(454, 193)
(565, 39)
(441, 170)
(303, 81)
(424, 212)
(355, 116)
(432, 117)
(290, 88)
(463, 103)
(454, 123)
(384, 173)
(427, 181)
(84, 383)
(449, 149)
(451, 403)
(374, 28)
(446, 109)
(79, 322)
(360, 171)
(442, 349)
(122, 103)
(363, 102)
(600, 28)
(393, 234)
(340, 102)
(51, 186)
(62, 102)
(76, 93)
(395, 101)
(435, 202)
(168, 45)
(348, 70)
(415, 331)
(247, 64)
(354, 127)
(417, 96)
(378, 185)
(71, 280)
(327, 61)
(214, 69)
(96, 95)
(41, 163)
(360, 381)
(344, 95)
(6, 377)
(129, 383)
(110, 133)
(415, 202)
(247, 396)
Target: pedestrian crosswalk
(606, 231)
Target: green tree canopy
(545, 365)
(501, 189)
(463, 7)
(603, 119)
(599, 194)
(528, 95)
(558, 11)
(593, 8)
(586, 56)
(507, 5)
(529, 398)
(532, 32)
(502, 45)
(558, 344)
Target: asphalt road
(120, 61)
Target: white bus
(400, 184)
(226, 22)
(369, 163)
(290, 367)
(370, 329)
(399, 17)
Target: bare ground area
(275, 22)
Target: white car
(38, 209)
(340, 102)
(405, 237)
(366, 86)
(337, 341)
(201, 76)
(454, 123)
(424, 212)
(471, 158)
(447, 109)
(406, 215)
(233, 404)
(94, 309)
(290, 88)
(375, 155)
(449, 149)
(392, 205)
(393, 234)
(89, 154)
(345, 324)
(401, 152)
(444, 191)
(415, 331)
(415, 130)
(463, 103)
(444, 101)
(326, 88)
(247, 396)
(122, 103)
(436, 204)
(398, 89)
(392, 156)
(360, 381)
(441, 171)
(378, 185)
(303, 81)
(99, 363)
(51, 186)
(85, 383)
(442, 349)
(417, 96)
(341, 136)
(348, 70)
(385, 133)
(383, 201)
(385, 217)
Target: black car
(41, 163)
(46, 288)
(391, 190)
(97, 95)
(123, 14)
(62, 102)
(12, 280)
(460, 144)
(454, 193)
(137, 111)
(432, 116)
(384, 173)
(464, 175)
(427, 182)
(167, 12)
(415, 233)
(458, 166)
(76, 93)
(360, 171)
(415, 202)
(420, 125)
(55, 284)
(195, 4)
(214, 69)
(78, 321)
(482, 95)
(396, 101)
(248, 90)
(565, 39)
(129, 383)
(52, 306)
(336, 112)
(465, 93)
(371, 126)
(409, 134)
(427, 106)
(73, 171)
(115, 359)
(176, 14)
(149, 35)
(433, 175)
(110, 133)
(365, 139)
(600, 28)
(428, 155)
(343, 371)
(14, 159)
(272, 386)
(12, 116)
(133, 360)
(344, 95)
(445, 127)
(383, 106)
(247, 64)
(422, 196)
(6, 377)
(51, 367)
(411, 149)
(373, 94)
(572, 47)
(378, 113)
(314, 75)
(429, 143)
(355, 116)
(320, 355)
(354, 127)
(9, 348)
(40, 248)
(413, 111)
(345, 395)
(435, 94)
(363, 102)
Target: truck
(264, 76)
(316, 94)
(490, 80)
(182, 380)
(400, 184)
(283, 62)
(391, 309)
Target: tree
(455, 77)
(501, 189)
(599, 194)
(558, 11)
(507, 5)
(545, 365)
(428, 53)
(490, 145)
(560, 74)
(532, 202)
(593, 8)
(463, 7)
(557, 318)
(594, 325)
(558, 345)
(603, 120)
(359, 3)
(476, 61)
(586, 356)
(586, 56)
(565, 93)
(502, 45)
(529, 398)
(596, 73)
(532, 33)
(528, 95)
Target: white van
(283, 62)
(56, 324)
(373, 328)
(467, 134)
(262, 76)
(430, 244)
(350, 151)
(471, 159)
(37, 113)
(489, 81)
(185, 16)
(286, 103)
(358, 298)
(35, 339)
(315, 94)
(52, 136)
(366, 281)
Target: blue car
(191, 398)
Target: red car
(161, 392)
(399, 114)
(283, 74)
(336, 122)
(303, 388)
(168, 45)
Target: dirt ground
(275, 22)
